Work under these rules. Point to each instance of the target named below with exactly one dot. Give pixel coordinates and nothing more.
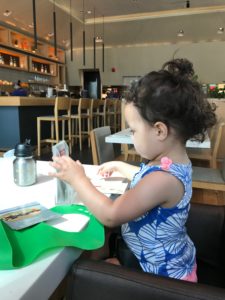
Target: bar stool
(82, 121)
(118, 115)
(110, 110)
(98, 113)
(61, 104)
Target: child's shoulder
(177, 169)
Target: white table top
(38, 280)
(125, 137)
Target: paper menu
(111, 185)
(115, 184)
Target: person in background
(112, 93)
(163, 109)
(19, 90)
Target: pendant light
(35, 25)
(84, 56)
(94, 44)
(103, 45)
(54, 29)
(71, 34)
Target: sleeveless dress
(158, 238)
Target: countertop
(28, 101)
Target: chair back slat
(85, 103)
(62, 103)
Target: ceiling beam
(159, 14)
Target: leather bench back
(205, 226)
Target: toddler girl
(163, 110)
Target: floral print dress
(158, 238)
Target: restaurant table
(125, 137)
(39, 279)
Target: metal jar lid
(23, 150)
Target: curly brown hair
(172, 96)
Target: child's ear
(161, 130)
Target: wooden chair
(82, 121)
(211, 154)
(209, 178)
(62, 104)
(101, 151)
(131, 153)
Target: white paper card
(110, 185)
(65, 193)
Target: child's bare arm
(127, 170)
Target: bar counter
(26, 101)
(18, 119)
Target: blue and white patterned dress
(158, 238)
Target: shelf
(21, 41)
(13, 60)
(17, 54)
(24, 43)
(39, 83)
(60, 54)
(4, 36)
(42, 66)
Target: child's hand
(107, 169)
(67, 169)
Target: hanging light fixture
(180, 33)
(84, 56)
(54, 29)
(35, 25)
(94, 44)
(220, 30)
(103, 44)
(71, 34)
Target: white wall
(208, 59)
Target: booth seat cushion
(208, 175)
(205, 226)
(101, 280)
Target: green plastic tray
(21, 248)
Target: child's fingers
(105, 172)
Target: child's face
(145, 136)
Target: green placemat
(20, 248)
